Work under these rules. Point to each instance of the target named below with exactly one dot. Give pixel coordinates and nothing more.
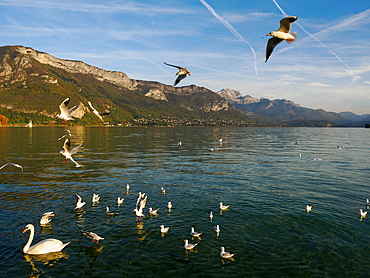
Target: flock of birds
(54, 245)
(309, 207)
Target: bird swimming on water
(280, 35)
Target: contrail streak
(231, 28)
(277, 5)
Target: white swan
(43, 247)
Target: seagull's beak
(189, 73)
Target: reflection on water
(48, 259)
(255, 171)
(46, 228)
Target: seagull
(68, 152)
(69, 134)
(46, 218)
(79, 203)
(164, 229)
(14, 164)
(367, 202)
(362, 213)
(183, 72)
(120, 201)
(281, 34)
(180, 143)
(65, 113)
(216, 228)
(163, 190)
(169, 205)
(95, 198)
(308, 208)
(210, 215)
(295, 143)
(99, 114)
(340, 147)
(127, 187)
(108, 212)
(222, 207)
(153, 211)
(220, 140)
(225, 255)
(194, 233)
(140, 204)
(93, 236)
(189, 246)
(313, 159)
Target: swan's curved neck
(27, 246)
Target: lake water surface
(266, 182)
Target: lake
(266, 181)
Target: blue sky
(327, 67)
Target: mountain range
(33, 84)
(286, 112)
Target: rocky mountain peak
(114, 77)
(236, 97)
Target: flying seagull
(68, 152)
(65, 113)
(79, 203)
(183, 72)
(140, 204)
(296, 142)
(65, 135)
(280, 35)
(99, 114)
(14, 164)
(93, 236)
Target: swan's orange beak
(25, 230)
(268, 35)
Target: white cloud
(318, 84)
(107, 7)
(236, 18)
(350, 23)
(356, 78)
